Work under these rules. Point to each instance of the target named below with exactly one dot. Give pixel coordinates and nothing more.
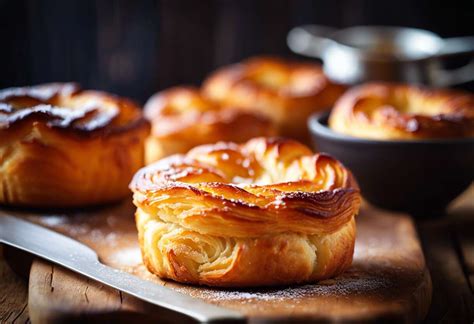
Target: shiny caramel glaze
(65, 106)
(275, 189)
(61, 146)
(285, 91)
(183, 118)
(395, 111)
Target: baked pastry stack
(266, 212)
(287, 92)
(182, 118)
(397, 111)
(61, 146)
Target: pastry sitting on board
(61, 146)
(266, 212)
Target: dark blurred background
(134, 48)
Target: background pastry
(183, 118)
(267, 212)
(285, 91)
(396, 111)
(61, 146)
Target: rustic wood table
(448, 244)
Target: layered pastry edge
(61, 146)
(230, 234)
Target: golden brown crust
(265, 212)
(67, 108)
(63, 147)
(183, 118)
(285, 91)
(395, 111)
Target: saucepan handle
(456, 76)
(457, 46)
(454, 47)
(310, 40)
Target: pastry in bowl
(183, 118)
(288, 92)
(61, 146)
(266, 212)
(402, 112)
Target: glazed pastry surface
(183, 118)
(394, 111)
(287, 92)
(61, 146)
(266, 212)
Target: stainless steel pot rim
(338, 35)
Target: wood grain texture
(462, 215)
(446, 242)
(13, 293)
(58, 295)
(388, 279)
(134, 48)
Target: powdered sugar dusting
(127, 257)
(54, 220)
(342, 286)
(100, 235)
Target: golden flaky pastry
(288, 92)
(60, 146)
(183, 118)
(267, 212)
(394, 111)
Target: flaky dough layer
(266, 212)
(61, 146)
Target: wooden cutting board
(387, 281)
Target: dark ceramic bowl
(418, 176)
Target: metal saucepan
(367, 53)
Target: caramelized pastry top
(261, 187)
(276, 76)
(285, 91)
(65, 106)
(395, 111)
(176, 110)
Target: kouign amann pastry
(287, 92)
(183, 118)
(61, 146)
(403, 112)
(266, 212)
